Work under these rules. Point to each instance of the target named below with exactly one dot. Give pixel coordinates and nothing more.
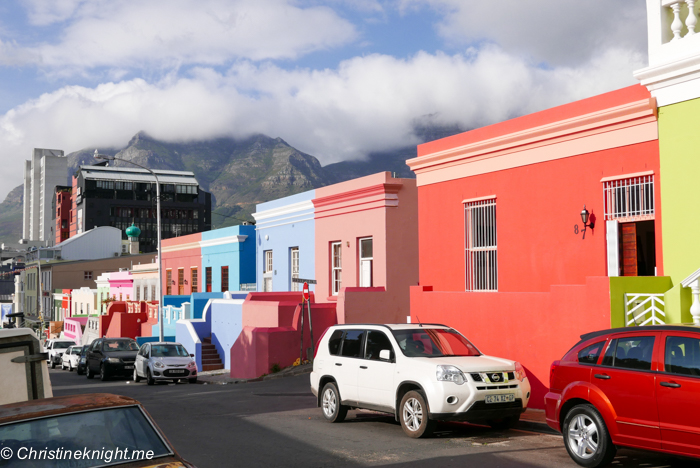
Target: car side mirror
(385, 355)
(191, 355)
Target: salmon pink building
(182, 265)
(366, 256)
(505, 256)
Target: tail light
(553, 367)
(319, 342)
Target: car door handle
(363, 367)
(670, 384)
(602, 376)
(338, 364)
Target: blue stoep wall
(224, 247)
(226, 326)
(281, 225)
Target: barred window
(481, 254)
(630, 199)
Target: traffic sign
(305, 291)
(303, 280)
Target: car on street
(164, 361)
(69, 359)
(634, 387)
(80, 368)
(56, 348)
(110, 357)
(420, 373)
(102, 429)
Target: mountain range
(238, 173)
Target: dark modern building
(118, 196)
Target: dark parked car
(110, 429)
(82, 360)
(110, 357)
(634, 387)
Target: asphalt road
(276, 423)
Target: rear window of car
(120, 345)
(334, 342)
(589, 354)
(352, 343)
(630, 353)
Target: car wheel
(587, 438)
(503, 423)
(137, 379)
(333, 411)
(149, 378)
(193, 380)
(70, 367)
(53, 364)
(88, 372)
(103, 373)
(413, 415)
(78, 370)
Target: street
(276, 423)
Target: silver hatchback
(164, 361)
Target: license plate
(128, 367)
(177, 371)
(507, 398)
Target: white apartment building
(47, 169)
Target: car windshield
(120, 345)
(169, 351)
(105, 434)
(434, 342)
(63, 344)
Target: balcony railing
(684, 16)
(644, 309)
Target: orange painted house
(503, 253)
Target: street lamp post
(160, 253)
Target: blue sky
(334, 78)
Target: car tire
(331, 407)
(149, 378)
(137, 379)
(53, 364)
(414, 415)
(70, 367)
(586, 437)
(88, 372)
(193, 380)
(103, 373)
(78, 371)
(503, 423)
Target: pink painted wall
(532, 328)
(186, 259)
(366, 207)
(258, 348)
(121, 282)
(73, 328)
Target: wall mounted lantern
(585, 217)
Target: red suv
(633, 387)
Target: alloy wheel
(413, 414)
(583, 436)
(329, 402)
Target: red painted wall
(531, 328)
(63, 210)
(125, 325)
(537, 207)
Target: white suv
(420, 373)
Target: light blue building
(285, 237)
(228, 258)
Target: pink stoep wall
(385, 209)
(73, 328)
(258, 348)
(182, 252)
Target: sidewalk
(223, 376)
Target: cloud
(564, 32)
(366, 104)
(171, 33)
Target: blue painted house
(285, 236)
(228, 258)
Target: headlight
(450, 374)
(192, 364)
(520, 372)
(158, 364)
(114, 360)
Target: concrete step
(211, 367)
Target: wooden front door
(629, 249)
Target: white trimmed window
(267, 272)
(366, 260)
(294, 268)
(630, 198)
(481, 253)
(336, 267)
